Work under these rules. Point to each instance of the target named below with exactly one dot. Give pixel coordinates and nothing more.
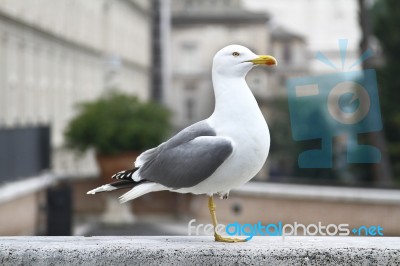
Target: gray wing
(186, 159)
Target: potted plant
(119, 127)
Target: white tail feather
(107, 187)
(140, 190)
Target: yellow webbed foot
(220, 238)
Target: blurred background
(85, 86)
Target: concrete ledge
(320, 193)
(139, 250)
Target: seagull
(214, 155)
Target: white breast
(251, 140)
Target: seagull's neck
(233, 97)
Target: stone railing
(139, 250)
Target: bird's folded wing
(185, 164)
(198, 129)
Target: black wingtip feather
(124, 175)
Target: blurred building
(292, 51)
(54, 54)
(322, 23)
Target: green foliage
(117, 123)
(386, 26)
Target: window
(287, 53)
(189, 53)
(190, 104)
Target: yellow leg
(218, 237)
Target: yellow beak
(264, 60)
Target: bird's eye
(235, 54)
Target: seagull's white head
(236, 60)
